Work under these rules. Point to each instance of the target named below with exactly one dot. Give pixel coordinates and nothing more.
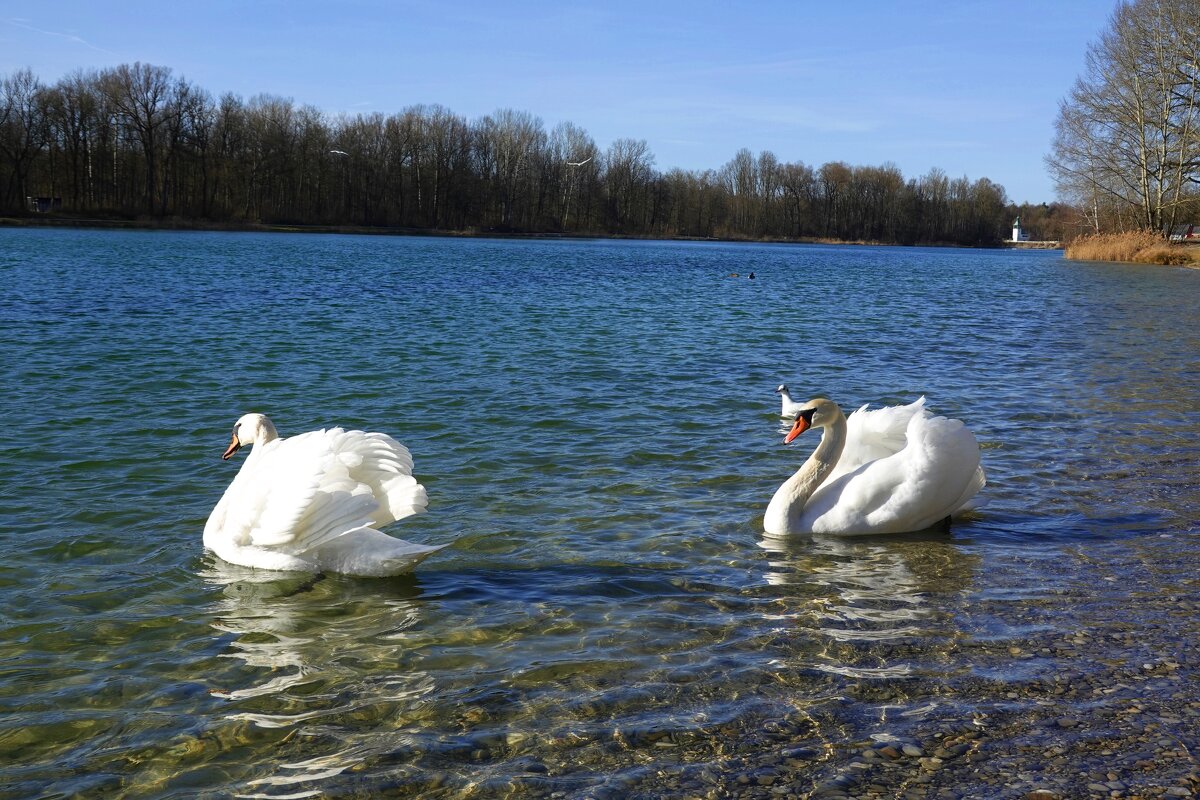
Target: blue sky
(970, 87)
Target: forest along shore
(427, 167)
(176, 224)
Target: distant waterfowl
(891, 470)
(788, 407)
(315, 502)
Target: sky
(967, 86)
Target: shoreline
(359, 230)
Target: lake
(596, 426)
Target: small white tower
(1017, 230)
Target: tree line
(1126, 150)
(137, 141)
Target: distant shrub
(1138, 247)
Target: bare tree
(508, 143)
(628, 169)
(141, 94)
(576, 167)
(74, 107)
(799, 186)
(1126, 136)
(24, 128)
(740, 176)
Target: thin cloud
(791, 115)
(70, 37)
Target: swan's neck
(261, 440)
(787, 506)
(264, 432)
(214, 533)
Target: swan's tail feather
(400, 557)
(415, 553)
(970, 500)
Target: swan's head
(249, 429)
(817, 413)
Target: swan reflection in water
(874, 603)
(316, 654)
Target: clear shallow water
(596, 427)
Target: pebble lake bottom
(596, 425)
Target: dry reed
(1138, 247)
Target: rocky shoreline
(1107, 710)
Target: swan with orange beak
(317, 502)
(892, 470)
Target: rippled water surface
(596, 427)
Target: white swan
(314, 502)
(891, 470)
(788, 407)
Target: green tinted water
(595, 424)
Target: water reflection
(871, 600)
(326, 658)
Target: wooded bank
(138, 142)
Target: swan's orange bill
(233, 448)
(800, 427)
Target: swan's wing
(385, 466)
(928, 480)
(874, 435)
(944, 472)
(850, 502)
(299, 495)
